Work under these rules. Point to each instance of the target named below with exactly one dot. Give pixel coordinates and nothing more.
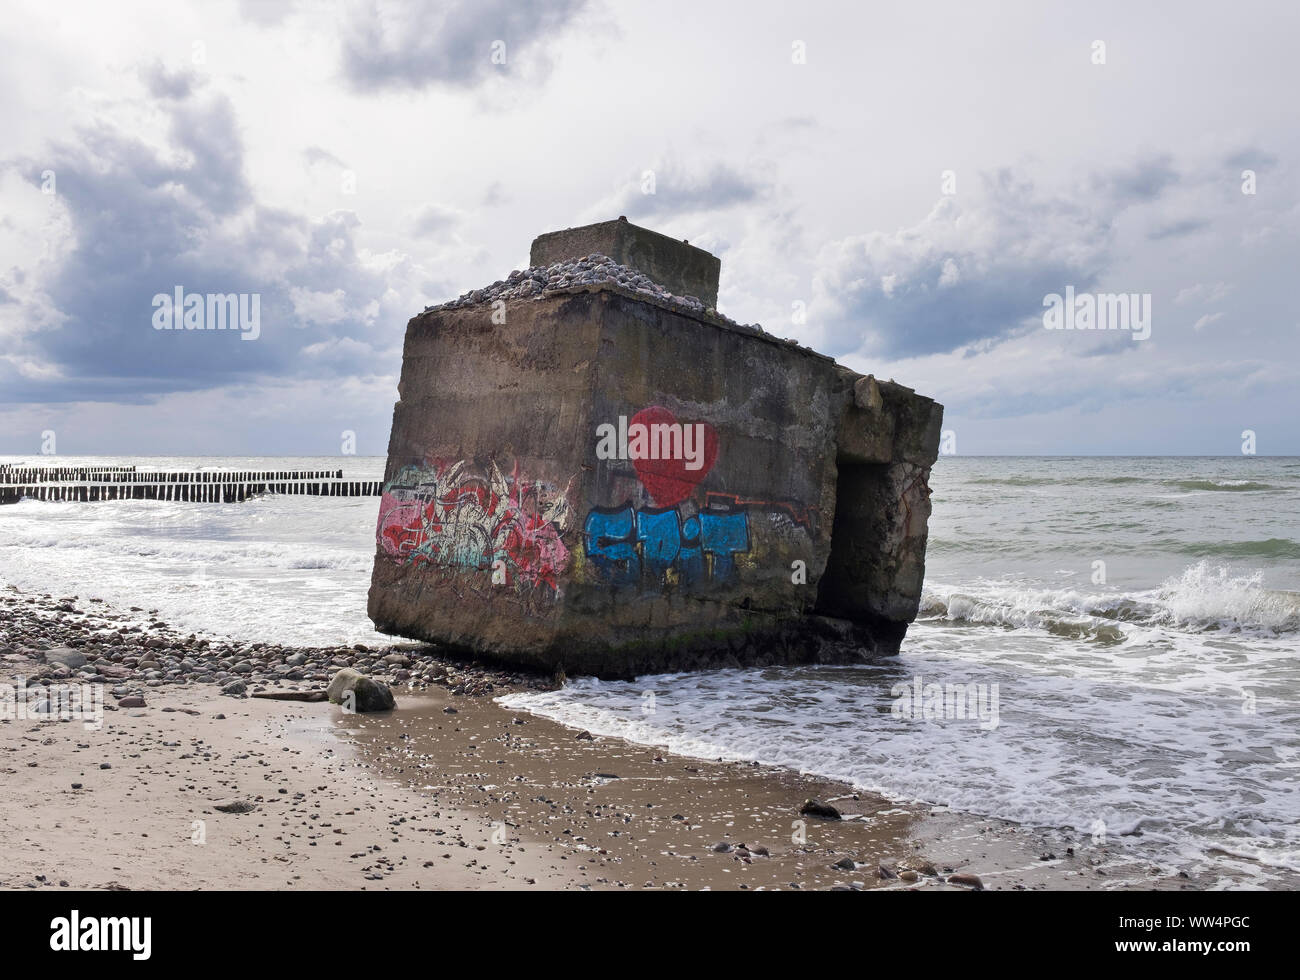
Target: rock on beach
(367, 694)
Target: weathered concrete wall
(887, 442)
(485, 465)
(679, 266)
(669, 554)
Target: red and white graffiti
(445, 514)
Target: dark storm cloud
(968, 274)
(209, 132)
(422, 43)
(1144, 180)
(144, 222)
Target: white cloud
(1203, 293)
(319, 307)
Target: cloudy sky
(896, 184)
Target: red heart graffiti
(669, 481)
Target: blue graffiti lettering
(611, 544)
(660, 534)
(724, 535)
(627, 545)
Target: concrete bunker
(525, 517)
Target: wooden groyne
(94, 483)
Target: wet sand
(608, 814)
(419, 798)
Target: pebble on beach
(49, 641)
(820, 810)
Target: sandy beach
(448, 791)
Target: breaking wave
(1220, 485)
(1201, 599)
(1209, 598)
